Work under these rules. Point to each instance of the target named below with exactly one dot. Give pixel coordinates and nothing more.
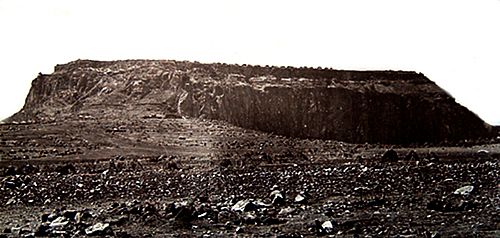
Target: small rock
(25, 232)
(277, 198)
(10, 185)
(249, 219)
(435, 235)
(42, 230)
(45, 217)
(83, 215)
(245, 205)
(15, 230)
(183, 213)
(228, 225)
(465, 190)
(97, 229)
(328, 227)
(239, 230)
(78, 217)
(70, 214)
(11, 201)
(483, 153)
(319, 229)
(59, 222)
(260, 204)
(390, 155)
(300, 198)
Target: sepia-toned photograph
(233, 118)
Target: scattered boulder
(390, 155)
(240, 230)
(277, 198)
(243, 206)
(435, 235)
(59, 222)
(483, 153)
(301, 198)
(45, 217)
(249, 218)
(465, 190)
(328, 227)
(42, 230)
(98, 229)
(70, 214)
(324, 228)
(184, 213)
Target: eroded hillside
(353, 106)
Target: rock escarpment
(354, 106)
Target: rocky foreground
(173, 176)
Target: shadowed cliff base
(391, 107)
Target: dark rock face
(347, 115)
(354, 106)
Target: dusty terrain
(121, 150)
(173, 176)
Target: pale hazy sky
(456, 43)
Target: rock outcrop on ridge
(394, 107)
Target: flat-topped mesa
(353, 106)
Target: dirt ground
(171, 177)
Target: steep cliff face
(338, 113)
(353, 106)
